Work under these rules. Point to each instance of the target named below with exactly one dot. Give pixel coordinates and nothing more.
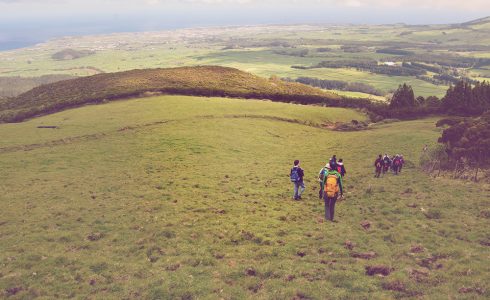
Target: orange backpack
(331, 185)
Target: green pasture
(190, 198)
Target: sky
(28, 21)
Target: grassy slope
(204, 80)
(184, 208)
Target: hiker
(341, 168)
(402, 162)
(378, 164)
(393, 163)
(296, 176)
(331, 187)
(386, 163)
(321, 175)
(396, 164)
(333, 162)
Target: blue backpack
(294, 175)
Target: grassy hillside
(204, 81)
(14, 86)
(177, 197)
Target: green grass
(359, 95)
(88, 120)
(200, 206)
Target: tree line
(463, 99)
(338, 85)
(367, 65)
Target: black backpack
(295, 175)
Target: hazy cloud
(476, 4)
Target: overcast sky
(40, 19)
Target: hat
(328, 166)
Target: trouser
(329, 206)
(299, 188)
(385, 169)
(378, 172)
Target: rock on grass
(378, 270)
(95, 236)
(465, 290)
(250, 272)
(349, 245)
(396, 285)
(419, 275)
(366, 224)
(417, 249)
(13, 290)
(301, 253)
(300, 296)
(364, 255)
(173, 267)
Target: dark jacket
(380, 162)
(341, 169)
(301, 173)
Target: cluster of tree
(323, 49)
(367, 65)
(463, 99)
(466, 99)
(431, 80)
(394, 51)
(466, 145)
(69, 54)
(352, 48)
(449, 79)
(338, 85)
(404, 97)
(455, 61)
(298, 52)
(434, 69)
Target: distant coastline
(12, 45)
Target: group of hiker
(384, 163)
(330, 179)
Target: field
(456, 50)
(177, 197)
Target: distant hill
(197, 81)
(69, 54)
(480, 21)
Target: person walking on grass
(296, 176)
(341, 167)
(333, 162)
(396, 163)
(378, 164)
(331, 188)
(321, 175)
(402, 162)
(386, 163)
